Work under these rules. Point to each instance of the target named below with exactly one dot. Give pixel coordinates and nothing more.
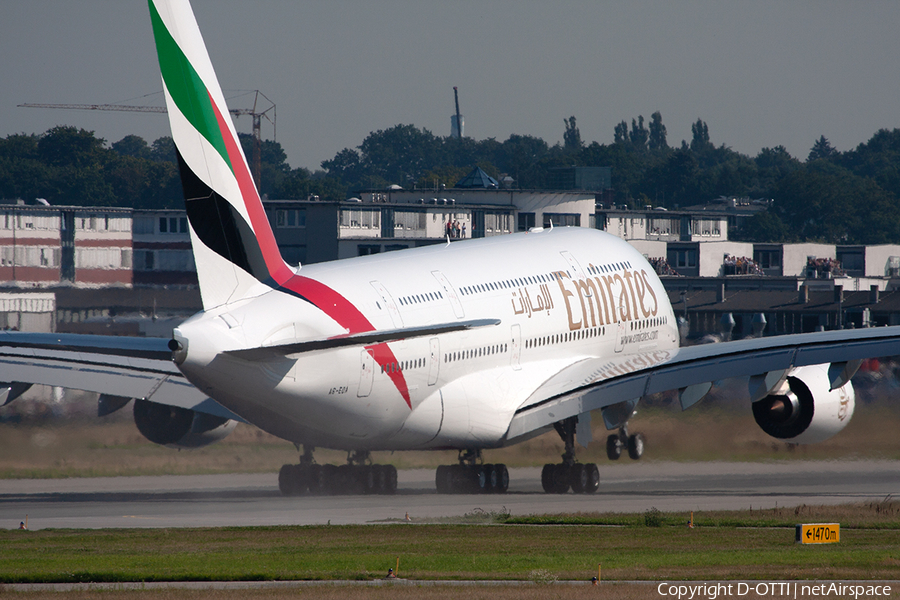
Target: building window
(361, 219)
(290, 218)
(496, 223)
(852, 261)
(143, 225)
(145, 260)
(562, 220)
(767, 259)
(409, 224)
(85, 223)
(173, 225)
(526, 221)
(666, 226)
(682, 258)
(706, 227)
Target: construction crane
(237, 112)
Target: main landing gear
(581, 478)
(470, 477)
(358, 476)
(617, 441)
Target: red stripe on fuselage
(323, 297)
(384, 356)
(350, 318)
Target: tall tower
(457, 122)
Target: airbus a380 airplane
(471, 345)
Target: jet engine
(179, 427)
(804, 409)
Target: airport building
(161, 246)
(141, 260)
(44, 246)
(381, 221)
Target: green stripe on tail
(185, 86)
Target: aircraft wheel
(499, 479)
(369, 476)
(555, 479)
(387, 480)
(636, 446)
(547, 478)
(351, 479)
(330, 483)
(318, 482)
(593, 480)
(561, 479)
(443, 479)
(340, 482)
(284, 480)
(460, 481)
(490, 478)
(579, 478)
(301, 479)
(289, 480)
(613, 447)
(480, 476)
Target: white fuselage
(561, 295)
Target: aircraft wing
(365, 338)
(126, 367)
(597, 383)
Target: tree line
(850, 197)
(71, 166)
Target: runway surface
(254, 499)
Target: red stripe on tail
(278, 270)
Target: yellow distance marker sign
(818, 533)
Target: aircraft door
(450, 294)
(516, 347)
(620, 336)
(366, 374)
(576, 267)
(434, 364)
(388, 300)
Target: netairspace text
(783, 589)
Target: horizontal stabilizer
(116, 366)
(360, 339)
(149, 348)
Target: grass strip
(635, 549)
(884, 514)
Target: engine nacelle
(179, 427)
(805, 410)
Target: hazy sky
(760, 73)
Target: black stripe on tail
(219, 226)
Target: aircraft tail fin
(234, 248)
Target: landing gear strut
(358, 476)
(471, 476)
(617, 441)
(581, 478)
